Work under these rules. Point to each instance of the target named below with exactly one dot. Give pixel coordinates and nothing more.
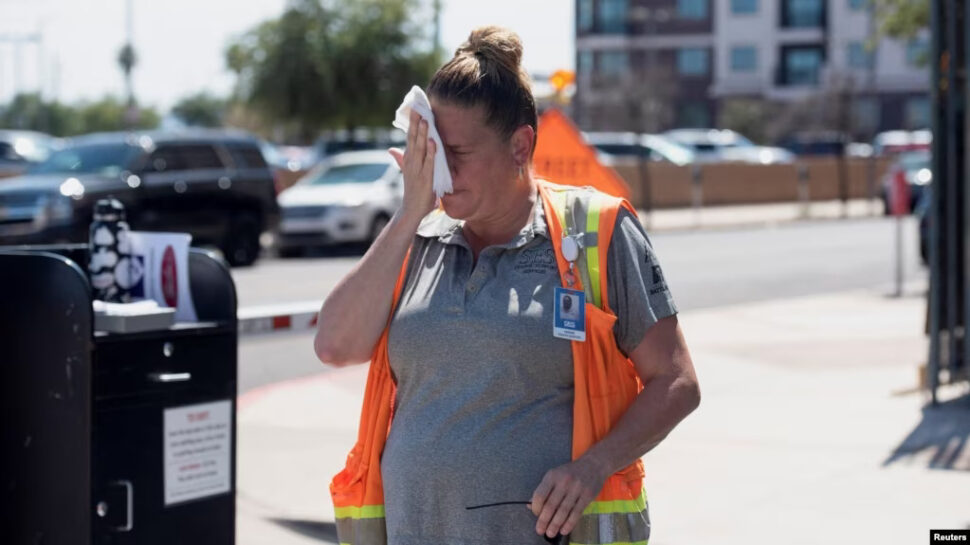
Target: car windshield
(618, 149)
(914, 161)
(347, 174)
(106, 159)
(670, 151)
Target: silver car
(350, 197)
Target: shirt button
(472, 287)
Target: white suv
(349, 197)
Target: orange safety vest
(605, 382)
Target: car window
(171, 158)
(621, 149)
(347, 174)
(106, 159)
(249, 157)
(198, 156)
(165, 158)
(7, 153)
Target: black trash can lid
(109, 209)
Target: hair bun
(494, 44)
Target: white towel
(418, 101)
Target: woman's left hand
(564, 493)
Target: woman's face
(483, 169)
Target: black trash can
(114, 438)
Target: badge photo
(569, 317)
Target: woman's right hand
(418, 168)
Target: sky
(180, 43)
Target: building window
(692, 62)
(744, 59)
(917, 52)
(612, 16)
(917, 113)
(857, 5)
(744, 7)
(865, 114)
(692, 9)
(584, 63)
(693, 115)
(858, 56)
(801, 65)
(613, 63)
(802, 13)
(584, 15)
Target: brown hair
(487, 70)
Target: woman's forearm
(355, 313)
(664, 401)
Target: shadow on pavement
(940, 438)
(324, 531)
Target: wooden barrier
(671, 186)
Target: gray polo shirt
(485, 392)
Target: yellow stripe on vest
(617, 506)
(364, 512)
(592, 253)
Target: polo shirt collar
(448, 230)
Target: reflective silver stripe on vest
(574, 223)
(361, 531)
(609, 528)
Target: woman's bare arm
(355, 313)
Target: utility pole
(18, 41)
(436, 6)
(127, 61)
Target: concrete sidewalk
(809, 432)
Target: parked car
(214, 185)
(19, 150)
(363, 139)
(893, 142)
(916, 166)
(815, 143)
(349, 197)
(628, 144)
(707, 144)
(760, 155)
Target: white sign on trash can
(198, 451)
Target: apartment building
(657, 64)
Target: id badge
(569, 316)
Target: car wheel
(380, 222)
(241, 247)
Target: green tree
(29, 111)
(201, 110)
(747, 116)
(902, 19)
(332, 64)
(109, 114)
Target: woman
(483, 411)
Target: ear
(521, 141)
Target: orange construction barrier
(563, 157)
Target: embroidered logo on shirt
(660, 285)
(536, 261)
